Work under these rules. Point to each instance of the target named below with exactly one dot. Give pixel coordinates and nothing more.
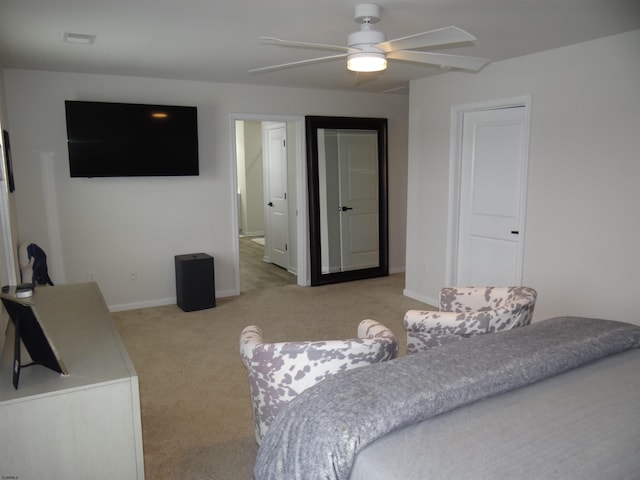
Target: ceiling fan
(368, 50)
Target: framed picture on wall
(7, 156)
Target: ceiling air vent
(82, 38)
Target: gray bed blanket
(320, 432)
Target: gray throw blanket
(318, 435)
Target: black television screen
(131, 140)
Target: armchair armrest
(372, 329)
(250, 337)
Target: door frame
(303, 277)
(455, 173)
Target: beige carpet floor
(196, 409)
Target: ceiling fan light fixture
(367, 62)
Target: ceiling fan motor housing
(365, 37)
(367, 12)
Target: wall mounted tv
(131, 140)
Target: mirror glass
(347, 164)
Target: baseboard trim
(160, 302)
(421, 298)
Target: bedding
(581, 425)
(322, 430)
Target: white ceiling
(217, 40)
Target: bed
(558, 399)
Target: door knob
(270, 204)
(344, 209)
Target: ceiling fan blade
(440, 59)
(400, 89)
(295, 43)
(297, 64)
(364, 77)
(442, 36)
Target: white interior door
(358, 172)
(492, 197)
(277, 207)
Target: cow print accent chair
(469, 311)
(280, 371)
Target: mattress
(582, 424)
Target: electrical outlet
(133, 276)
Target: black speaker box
(195, 282)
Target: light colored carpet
(196, 409)
(259, 240)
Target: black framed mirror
(347, 180)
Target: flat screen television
(29, 330)
(131, 140)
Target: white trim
(421, 298)
(304, 253)
(161, 302)
(455, 161)
(301, 184)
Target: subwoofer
(195, 282)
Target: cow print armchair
(280, 371)
(468, 311)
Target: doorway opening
(268, 163)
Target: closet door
(492, 195)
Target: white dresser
(85, 425)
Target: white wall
(250, 177)
(583, 227)
(8, 267)
(111, 227)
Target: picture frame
(8, 161)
